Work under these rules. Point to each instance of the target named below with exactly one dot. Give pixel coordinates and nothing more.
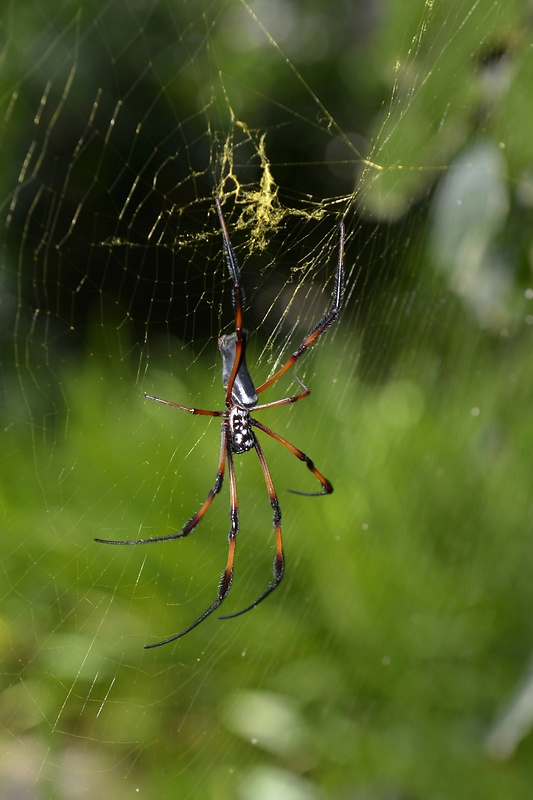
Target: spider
(237, 435)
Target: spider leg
(185, 408)
(227, 576)
(279, 558)
(197, 518)
(231, 258)
(237, 299)
(323, 324)
(327, 488)
(286, 400)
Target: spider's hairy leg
(231, 258)
(238, 303)
(292, 399)
(227, 576)
(195, 520)
(279, 558)
(189, 409)
(327, 488)
(323, 324)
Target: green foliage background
(403, 628)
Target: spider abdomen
(240, 430)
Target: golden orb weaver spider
(237, 436)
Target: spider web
(394, 657)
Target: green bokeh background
(401, 637)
